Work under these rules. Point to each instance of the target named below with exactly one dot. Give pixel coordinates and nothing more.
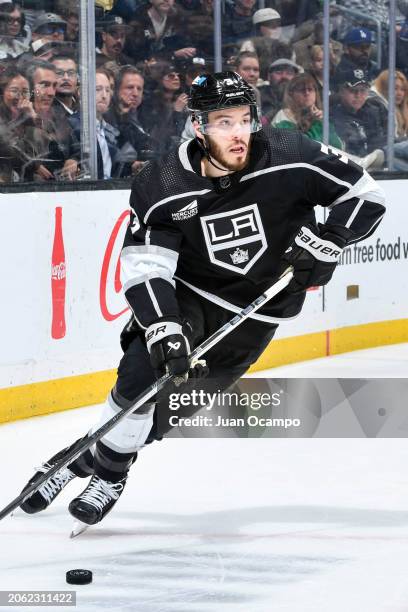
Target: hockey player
(211, 228)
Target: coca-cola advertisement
(58, 279)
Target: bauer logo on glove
(321, 249)
(314, 255)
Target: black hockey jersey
(224, 238)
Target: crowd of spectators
(148, 53)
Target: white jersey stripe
(138, 267)
(354, 213)
(132, 282)
(331, 177)
(150, 249)
(153, 298)
(183, 156)
(231, 307)
(365, 188)
(370, 231)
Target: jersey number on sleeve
(333, 151)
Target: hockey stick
(154, 388)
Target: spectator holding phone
(303, 110)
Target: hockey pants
(227, 361)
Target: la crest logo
(236, 239)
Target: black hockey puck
(79, 576)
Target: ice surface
(211, 525)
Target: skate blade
(78, 528)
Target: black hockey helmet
(210, 92)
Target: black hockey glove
(169, 349)
(314, 255)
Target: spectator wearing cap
(267, 23)
(113, 38)
(237, 25)
(66, 68)
(378, 10)
(357, 48)
(163, 23)
(134, 143)
(164, 110)
(267, 42)
(49, 27)
(281, 71)
(356, 120)
(302, 110)
(303, 48)
(15, 35)
(48, 35)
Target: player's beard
(218, 155)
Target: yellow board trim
(341, 340)
(54, 395)
(75, 391)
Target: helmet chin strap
(206, 150)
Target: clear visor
(227, 126)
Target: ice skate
(96, 500)
(52, 487)
(41, 499)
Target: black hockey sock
(111, 465)
(83, 466)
